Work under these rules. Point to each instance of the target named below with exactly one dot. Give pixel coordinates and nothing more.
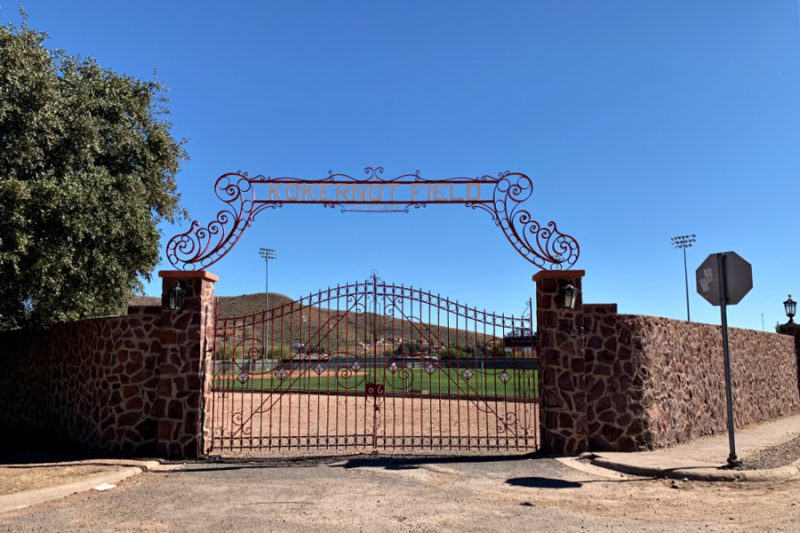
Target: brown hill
(144, 300)
(241, 326)
(247, 304)
(231, 306)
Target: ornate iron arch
(543, 245)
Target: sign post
(724, 279)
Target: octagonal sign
(729, 266)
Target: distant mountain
(332, 330)
(230, 305)
(247, 304)
(144, 300)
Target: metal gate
(373, 366)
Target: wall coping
(558, 274)
(696, 324)
(181, 274)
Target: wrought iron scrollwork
(543, 245)
(243, 425)
(507, 423)
(351, 376)
(200, 247)
(402, 377)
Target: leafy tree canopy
(87, 170)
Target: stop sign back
(729, 266)
(723, 279)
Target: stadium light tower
(683, 242)
(266, 254)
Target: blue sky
(637, 120)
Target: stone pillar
(186, 346)
(563, 384)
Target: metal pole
(723, 293)
(686, 278)
(266, 322)
(683, 242)
(266, 255)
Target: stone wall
(654, 382)
(648, 382)
(615, 382)
(684, 395)
(133, 384)
(563, 384)
(92, 381)
(185, 357)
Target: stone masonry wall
(133, 384)
(684, 393)
(186, 351)
(563, 384)
(92, 381)
(653, 382)
(626, 383)
(615, 382)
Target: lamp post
(790, 306)
(683, 242)
(266, 254)
(791, 327)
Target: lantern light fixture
(569, 294)
(176, 296)
(790, 306)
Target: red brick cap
(558, 274)
(180, 274)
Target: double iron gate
(373, 366)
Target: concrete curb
(587, 467)
(20, 500)
(783, 473)
(26, 498)
(145, 464)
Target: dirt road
(364, 494)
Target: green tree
(87, 168)
(408, 348)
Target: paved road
(365, 494)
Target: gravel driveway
(774, 456)
(415, 494)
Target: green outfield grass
(445, 381)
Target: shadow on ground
(350, 462)
(543, 483)
(407, 462)
(20, 449)
(30, 451)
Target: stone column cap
(558, 274)
(192, 274)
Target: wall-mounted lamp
(175, 295)
(569, 295)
